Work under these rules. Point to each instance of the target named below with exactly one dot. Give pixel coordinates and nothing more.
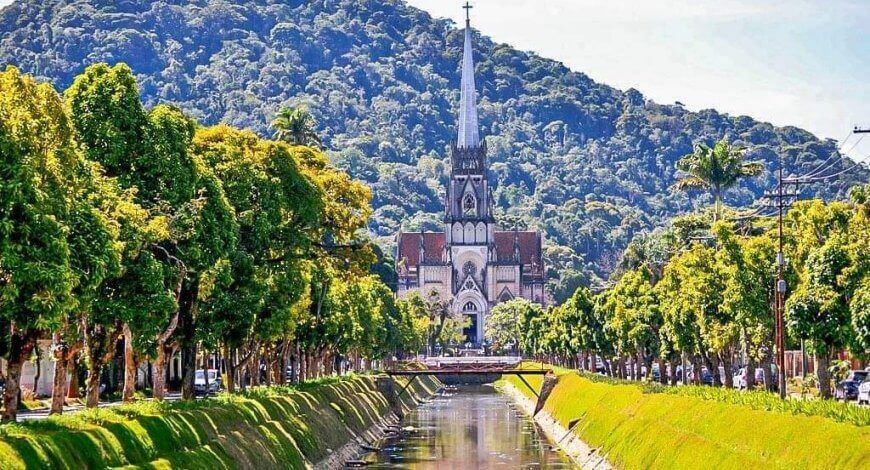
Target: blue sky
(794, 62)
(788, 62)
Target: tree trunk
(38, 364)
(187, 321)
(92, 386)
(823, 375)
(725, 358)
(663, 375)
(158, 373)
(61, 364)
(100, 345)
(130, 374)
(254, 368)
(684, 368)
(672, 370)
(750, 373)
(73, 390)
(229, 357)
(20, 346)
(769, 379)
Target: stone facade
(472, 264)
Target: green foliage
(715, 169)
(39, 164)
(296, 127)
(586, 163)
(502, 327)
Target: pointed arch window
(505, 295)
(469, 205)
(469, 307)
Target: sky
(789, 62)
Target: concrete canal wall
(317, 425)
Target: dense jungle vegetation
(588, 164)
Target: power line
(842, 142)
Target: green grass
(695, 427)
(280, 427)
(757, 399)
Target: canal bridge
(475, 369)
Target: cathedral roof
(433, 247)
(529, 244)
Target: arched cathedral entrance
(471, 315)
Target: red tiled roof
(433, 247)
(530, 247)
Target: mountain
(588, 164)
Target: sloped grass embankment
(646, 427)
(271, 428)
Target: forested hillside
(588, 164)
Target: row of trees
(709, 303)
(119, 222)
(702, 293)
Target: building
(472, 264)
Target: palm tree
(296, 126)
(715, 169)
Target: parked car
(599, 365)
(706, 376)
(740, 377)
(199, 382)
(864, 391)
(847, 389)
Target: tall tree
(38, 161)
(296, 126)
(715, 169)
(148, 153)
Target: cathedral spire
(468, 135)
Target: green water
(471, 428)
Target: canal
(467, 428)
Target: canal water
(473, 427)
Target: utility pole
(858, 130)
(782, 198)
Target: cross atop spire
(468, 135)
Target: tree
(582, 330)
(635, 318)
(415, 322)
(502, 328)
(749, 269)
(530, 322)
(819, 309)
(715, 169)
(278, 207)
(296, 127)
(148, 153)
(38, 161)
(859, 309)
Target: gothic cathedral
(472, 264)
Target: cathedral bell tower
(468, 218)
(469, 198)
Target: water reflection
(474, 427)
